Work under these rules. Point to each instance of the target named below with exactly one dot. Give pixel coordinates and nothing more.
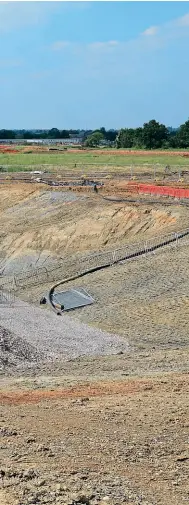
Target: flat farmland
(109, 161)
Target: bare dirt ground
(43, 226)
(115, 152)
(109, 442)
(94, 428)
(118, 152)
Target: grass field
(87, 160)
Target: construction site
(94, 306)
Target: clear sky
(93, 64)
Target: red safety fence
(158, 190)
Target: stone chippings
(85, 487)
(15, 351)
(30, 335)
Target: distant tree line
(152, 135)
(54, 133)
(7, 134)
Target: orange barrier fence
(158, 190)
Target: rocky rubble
(15, 351)
(87, 488)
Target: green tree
(54, 133)
(94, 139)
(102, 130)
(28, 135)
(111, 135)
(172, 141)
(7, 134)
(125, 138)
(64, 134)
(154, 134)
(182, 136)
(138, 138)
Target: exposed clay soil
(45, 225)
(114, 152)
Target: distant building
(34, 141)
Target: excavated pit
(41, 227)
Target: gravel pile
(40, 333)
(16, 352)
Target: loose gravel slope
(57, 337)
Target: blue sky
(93, 64)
